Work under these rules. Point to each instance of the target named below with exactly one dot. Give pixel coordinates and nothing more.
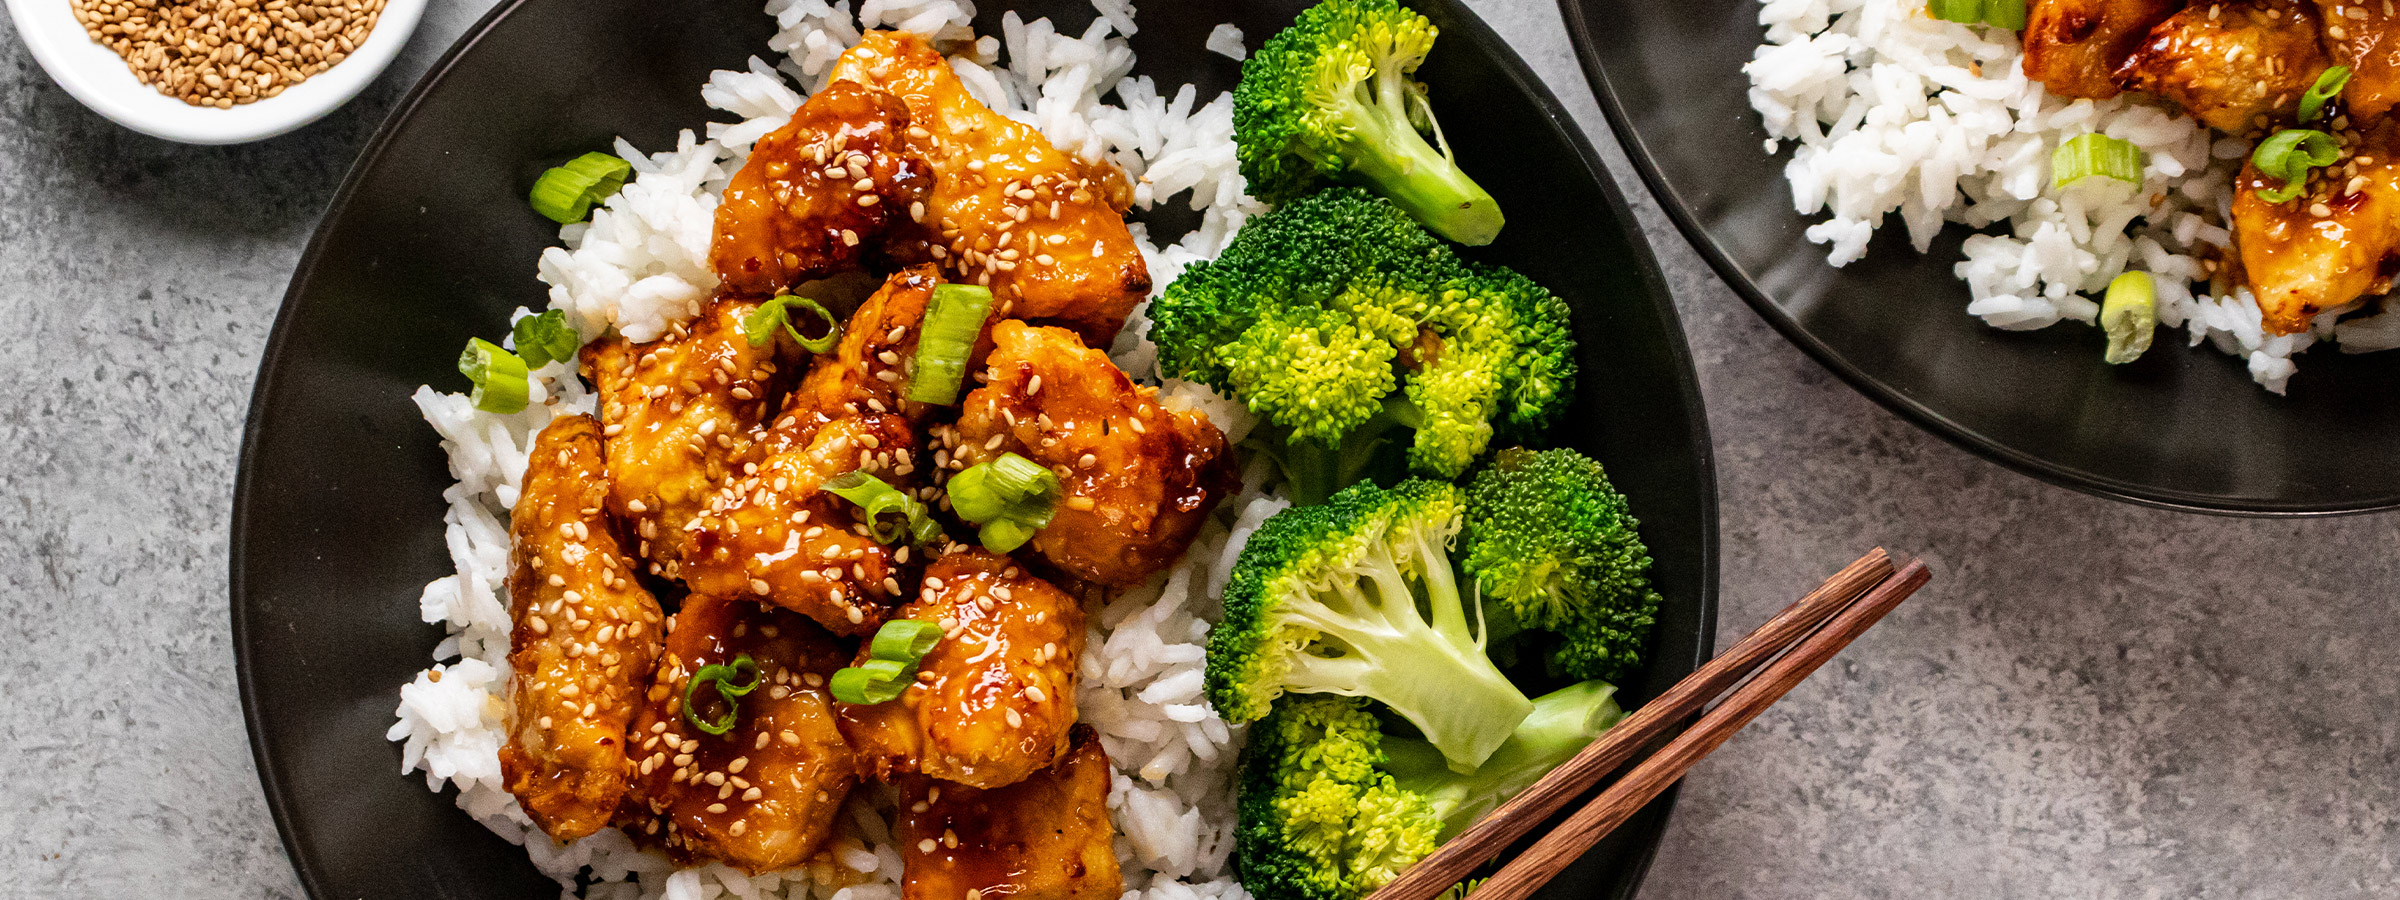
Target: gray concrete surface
(2092, 701)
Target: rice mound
(641, 264)
(1891, 110)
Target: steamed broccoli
(1323, 315)
(1356, 597)
(1552, 542)
(1331, 97)
(1331, 808)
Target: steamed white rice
(1892, 111)
(641, 264)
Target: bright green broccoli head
(1319, 819)
(1553, 541)
(1331, 97)
(1355, 597)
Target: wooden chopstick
(1595, 820)
(1461, 855)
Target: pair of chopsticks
(1813, 629)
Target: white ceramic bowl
(100, 79)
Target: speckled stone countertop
(2092, 700)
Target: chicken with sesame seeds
(868, 371)
(2337, 241)
(777, 536)
(1045, 838)
(818, 194)
(2239, 66)
(683, 414)
(1008, 210)
(2074, 47)
(762, 795)
(995, 696)
(2365, 35)
(1139, 479)
(584, 639)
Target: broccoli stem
(1400, 164)
(1316, 471)
(1562, 723)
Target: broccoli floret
(1331, 98)
(1356, 597)
(1325, 314)
(1330, 808)
(1550, 540)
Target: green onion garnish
(871, 682)
(2329, 84)
(2128, 313)
(1968, 11)
(944, 341)
(544, 338)
(889, 514)
(720, 675)
(2009, 14)
(566, 192)
(1010, 497)
(906, 640)
(2289, 155)
(2095, 154)
(499, 377)
(759, 326)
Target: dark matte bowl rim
(270, 369)
(1637, 150)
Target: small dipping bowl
(97, 77)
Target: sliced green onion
(2329, 84)
(1005, 535)
(904, 641)
(2128, 313)
(499, 377)
(759, 326)
(953, 320)
(871, 682)
(889, 514)
(544, 338)
(1968, 11)
(720, 675)
(2009, 14)
(566, 192)
(2289, 155)
(2095, 154)
(1010, 497)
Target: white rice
(1894, 111)
(641, 264)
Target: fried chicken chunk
(761, 796)
(2236, 65)
(681, 414)
(994, 698)
(779, 537)
(2073, 47)
(818, 193)
(1044, 230)
(584, 638)
(868, 371)
(2335, 243)
(1139, 478)
(2364, 35)
(1045, 838)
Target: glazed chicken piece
(778, 537)
(682, 413)
(2364, 35)
(1139, 478)
(2073, 47)
(763, 795)
(1044, 230)
(1045, 838)
(2237, 66)
(818, 193)
(2335, 243)
(868, 371)
(994, 698)
(584, 639)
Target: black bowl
(2183, 428)
(337, 515)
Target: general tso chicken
(814, 552)
(2309, 82)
